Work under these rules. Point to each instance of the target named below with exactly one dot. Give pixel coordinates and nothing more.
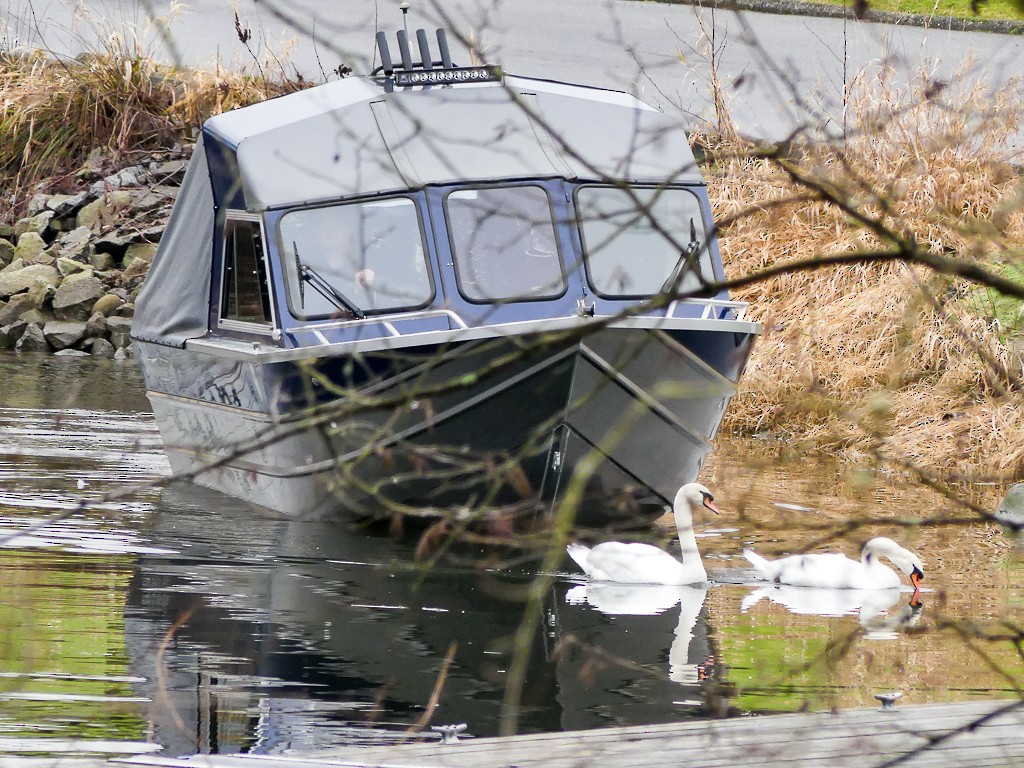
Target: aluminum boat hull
(628, 411)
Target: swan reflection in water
(873, 606)
(652, 600)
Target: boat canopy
(350, 137)
(355, 137)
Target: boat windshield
(503, 241)
(355, 258)
(639, 242)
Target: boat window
(347, 260)
(504, 244)
(637, 241)
(246, 295)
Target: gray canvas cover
(174, 304)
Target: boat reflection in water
(266, 634)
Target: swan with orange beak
(836, 571)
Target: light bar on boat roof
(427, 71)
(485, 74)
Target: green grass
(1012, 10)
(1007, 310)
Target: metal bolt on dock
(449, 733)
(889, 700)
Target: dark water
(175, 618)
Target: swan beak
(916, 577)
(710, 504)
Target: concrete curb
(800, 8)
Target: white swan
(835, 571)
(635, 563)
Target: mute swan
(835, 571)
(635, 563)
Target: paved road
(778, 71)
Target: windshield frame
(357, 288)
(459, 258)
(687, 282)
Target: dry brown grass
(54, 113)
(885, 354)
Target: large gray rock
(74, 277)
(120, 329)
(74, 299)
(102, 261)
(37, 224)
(133, 176)
(171, 171)
(40, 293)
(139, 252)
(135, 273)
(9, 334)
(62, 205)
(16, 307)
(114, 241)
(36, 316)
(103, 348)
(77, 244)
(102, 211)
(61, 334)
(67, 266)
(24, 278)
(96, 326)
(6, 251)
(30, 247)
(32, 340)
(37, 204)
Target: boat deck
(983, 733)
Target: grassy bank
(56, 114)
(1009, 10)
(886, 358)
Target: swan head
(902, 558)
(693, 496)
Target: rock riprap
(72, 265)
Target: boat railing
(388, 323)
(711, 309)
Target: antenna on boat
(404, 7)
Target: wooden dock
(975, 734)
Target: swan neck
(688, 544)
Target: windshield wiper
(309, 275)
(685, 260)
